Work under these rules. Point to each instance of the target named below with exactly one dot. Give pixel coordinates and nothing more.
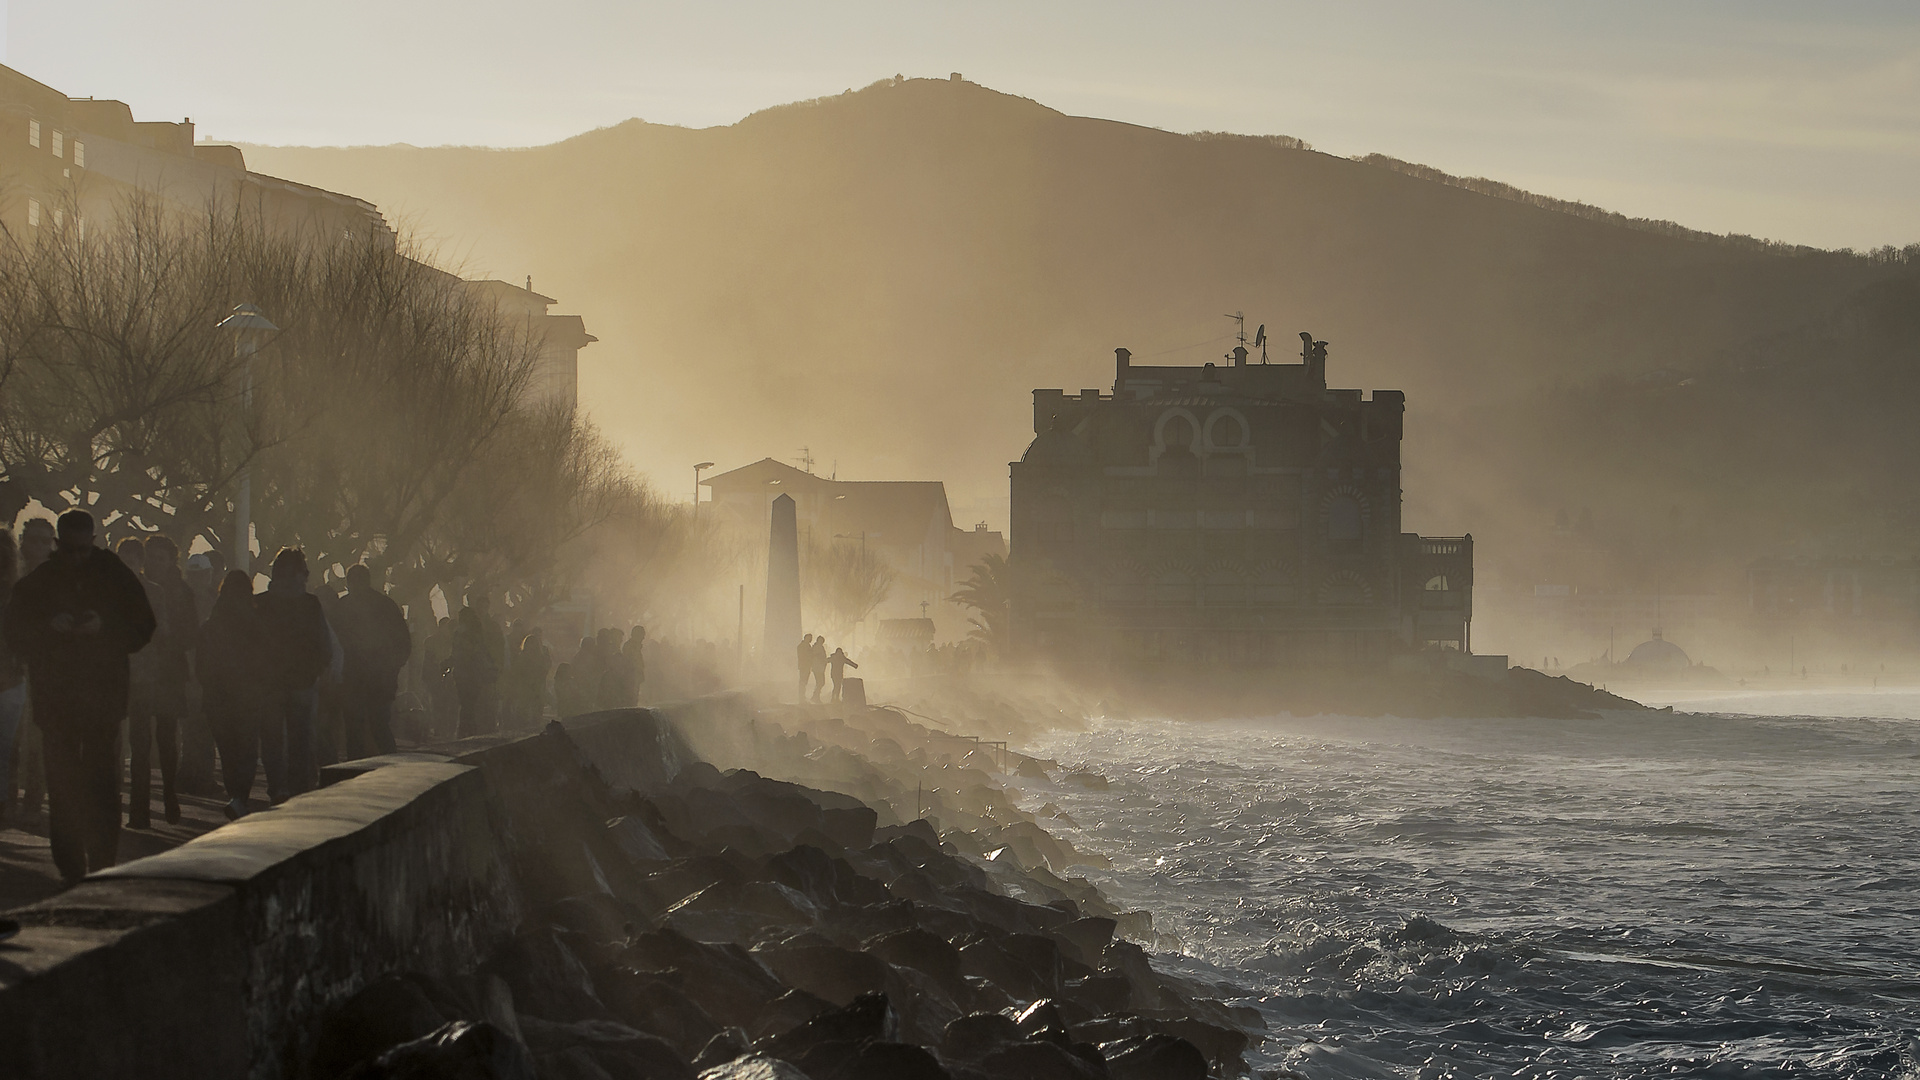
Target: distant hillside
(884, 275)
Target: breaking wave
(1688, 896)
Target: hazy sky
(1794, 121)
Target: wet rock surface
(893, 917)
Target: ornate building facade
(1241, 515)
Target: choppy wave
(1632, 897)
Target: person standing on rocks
(233, 688)
(374, 636)
(803, 656)
(819, 665)
(838, 663)
(479, 655)
(76, 619)
(295, 650)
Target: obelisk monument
(783, 590)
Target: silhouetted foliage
(389, 419)
(988, 590)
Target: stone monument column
(783, 590)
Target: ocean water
(1638, 896)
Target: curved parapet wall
(218, 958)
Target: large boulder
(976, 1035)
(1154, 1057)
(653, 1002)
(389, 1011)
(829, 971)
(923, 951)
(547, 979)
(614, 1048)
(1086, 939)
(754, 1067)
(1043, 1061)
(724, 980)
(457, 1050)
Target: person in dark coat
(75, 620)
(167, 663)
(838, 663)
(36, 546)
(803, 661)
(296, 649)
(233, 687)
(527, 680)
(374, 636)
(479, 657)
(13, 676)
(180, 620)
(147, 722)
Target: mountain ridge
(883, 275)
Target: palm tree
(989, 592)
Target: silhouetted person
(635, 651)
(616, 675)
(376, 646)
(233, 687)
(202, 581)
(838, 663)
(147, 722)
(13, 676)
(76, 619)
(567, 698)
(171, 670)
(527, 680)
(296, 649)
(36, 546)
(437, 654)
(819, 666)
(479, 655)
(803, 658)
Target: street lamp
(697, 470)
(249, 327)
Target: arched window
(1227, 432)
(1437, 583)
(1343, 521)
(1177, 433)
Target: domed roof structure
(1057, 449)
(1658, 654)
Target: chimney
(1121, 359)
(1239, 356)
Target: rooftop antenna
(1260, 339)
(1240, 320)
(805, 459)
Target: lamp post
(248, 327)
(697, 470)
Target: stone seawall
(220, 958)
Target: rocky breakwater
(729, 924)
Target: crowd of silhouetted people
(121, 657)
(817, 666)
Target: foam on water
(1664, 895)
